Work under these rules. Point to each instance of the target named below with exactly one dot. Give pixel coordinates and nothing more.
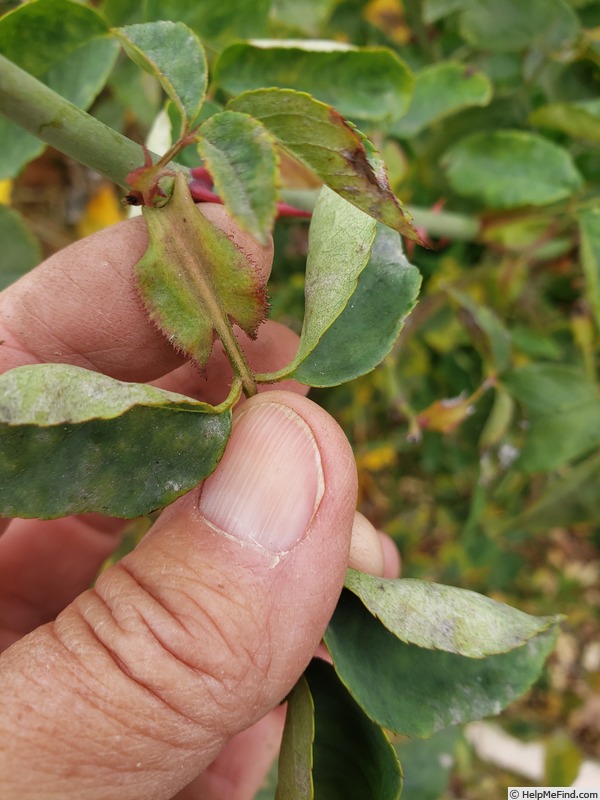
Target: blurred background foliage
(478, 438)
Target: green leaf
(415, 691)
(563, 414)
(218, 22)
(18, 148)
(65, 45)
(321, 139)
(589, 230)
(499, 419)
(444, 617)
(194, 280)
(441, 90)
(240, 155)
(295, 781)
(580, 120)
(369, 83)
(307, 16)
(486, 329)
(75, 441)
(172, 53)
(434, 10)
(363, 334)
(20, 249)
(82, 74)
(568, 499)
(122, 12)
(509, 168)
(520, 234)
(550, 388)
(138, 96)
(428, 764)
(511, 25)
(36, 36)
(339, 246)
(562, 760)
(536, 344)
(353, 758)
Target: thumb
(196, 634)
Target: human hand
(165, 679)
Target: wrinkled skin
(165, 680)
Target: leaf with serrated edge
(444, 617)
(76, 441)
(194, 280)
(321, 139)
(363, 83)
(173, 54)
(36, 36)
(416, 691)
(240, 155)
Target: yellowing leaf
(388, 16)
(102, 210)
(446, 415)
(5, 192)
(377, 458)
(194, 280)
(340, 155)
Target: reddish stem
(201, 191)
(285, 210)
(202, 174)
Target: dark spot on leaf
(358, 159)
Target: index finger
(82, 305)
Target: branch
(44, 113)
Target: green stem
(237, 358)
(446, 224)
(56, 121)
(235, 392)
(441, 224)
